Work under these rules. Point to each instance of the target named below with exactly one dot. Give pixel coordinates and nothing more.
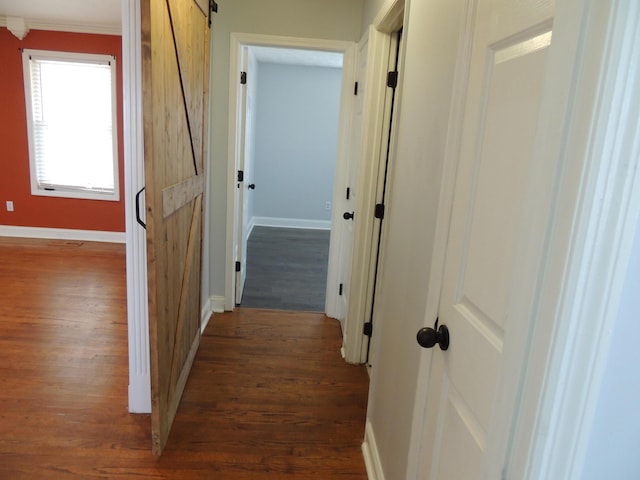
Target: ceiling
(289, 56)
(99, 16)
(104, 16)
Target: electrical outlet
(9, 206)
(327, 205)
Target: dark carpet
(286, 269)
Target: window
(71, 120)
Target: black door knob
(428, 337)
(348, 215)
(251, 186)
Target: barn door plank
(175, 49)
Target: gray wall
(426, 88)
(614, 446)
(295, 140)
(328, 19)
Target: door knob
(427, 337)
(251, 186)
(348, 215)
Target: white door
(349, 214)
(474, 384)
(242, 184)
(249, 187)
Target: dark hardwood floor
(269, 396)
(287, 269)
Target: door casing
(238, 41)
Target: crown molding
(44, 24)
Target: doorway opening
(288, 132)
(290, 107)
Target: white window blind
(72, 124)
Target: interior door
(242, 186)
(349, 215)
(175, 46)
(473, 385)
(382, 190)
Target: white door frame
(598, 190)
(135, 234)
(136, 238)
(599, 187)
(375, 126)
(237, 41)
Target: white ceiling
(100, 16)
(288, 56)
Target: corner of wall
(214, 304)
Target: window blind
(73, 146)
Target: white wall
(431, 32)
(295, 141)
(614, 448)
(327, 19)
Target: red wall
(37, 211)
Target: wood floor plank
(287, 269)
(269, 396)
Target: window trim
(78, 57)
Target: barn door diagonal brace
(184, 97)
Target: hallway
(268, 396)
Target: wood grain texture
(178, 195)
(175, 39)
(268, 397)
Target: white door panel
(241, 187)
(350, 203)
(469, 401)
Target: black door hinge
(379, 211)
(340, 289)
(392, 79)
(348, 193)
(213, 8)
(240, 176)
(243, 78)
(355, 89)
(238, 266)
(367, 329)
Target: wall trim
(370, 454)
(61, 234)
(214, 304)
(205, 314)
(136, 246)
(361, 278)
(43, 24)
(290, 223)
(588, 255)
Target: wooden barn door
(175, 50)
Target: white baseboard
(140, 394)
(252, 223)
(62, 234)
(217, 302)
(214, 304)
(205, 314)
(370, 454)
(291, 223)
